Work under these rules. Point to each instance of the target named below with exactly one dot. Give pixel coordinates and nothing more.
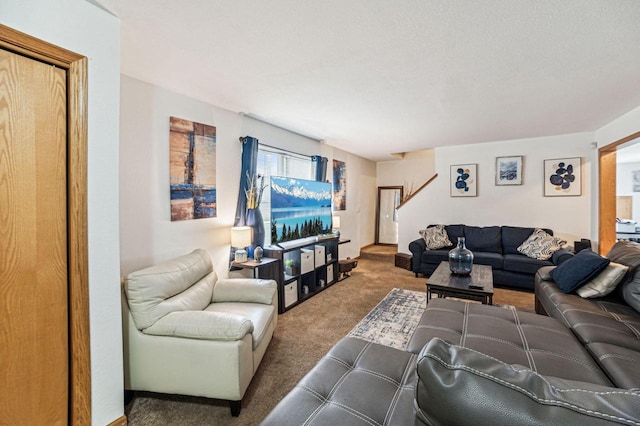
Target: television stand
(305, 268)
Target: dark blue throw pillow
(578, 270)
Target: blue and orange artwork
(562, 177)
(192, 164)
(463, 180)
(339, 185)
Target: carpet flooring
(303, 335)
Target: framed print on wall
(562, 177)
(509, 170)
(464, 180)
(339, 185)
(192, 169)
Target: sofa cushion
(260, 316)
(605, 282)
(514, 236)
(459, 386)
(620, 364)
(578, 270)
(486, 239)
(355, 383)
(201, 325)
(435, 237)
(626, 253)
(435, 256)
(181, 284)
(540, 245)
(454, 231)
(535, 341)
(494, 260)
(631, 292)
(524, 264)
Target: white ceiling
(375, 77)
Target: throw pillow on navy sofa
(578, 270)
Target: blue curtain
(249, 166)
(321, 167)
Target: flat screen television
(299, 208)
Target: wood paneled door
(42, 222)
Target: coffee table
(476, 286)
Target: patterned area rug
(393, 320)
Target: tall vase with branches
(253, 217)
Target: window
(277, 162)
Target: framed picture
(563, 177)
(464, 180)
(509, 170)
(339, 185)
(636, 180)
(192, 169)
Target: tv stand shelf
(307, 267)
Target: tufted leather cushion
(356, 383)
(459, 386)
(181, 284)
(534, 341)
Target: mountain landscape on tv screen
(299, 208)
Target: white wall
(147, 235)
(83, 28)
(523, 205)
(411, 172)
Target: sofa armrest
(417, 247)
(247, 290)
(204, 325)
(560, 256)
(457, 385)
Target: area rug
(393, 320)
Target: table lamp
(336, 225)
(241, 238)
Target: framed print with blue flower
(464, 180)
(563, 177)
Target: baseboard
(121, 421)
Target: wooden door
(624, 207)
(34, 337)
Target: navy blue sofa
(495, 246)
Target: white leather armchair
(187, 332)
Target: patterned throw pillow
(436, 237)
(540, 245)
(605, 282)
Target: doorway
(389, 198)
(44, 266)
(608, 204)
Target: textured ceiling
(375, 77)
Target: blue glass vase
(255, 221)
(460, 259)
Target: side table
(268, 268)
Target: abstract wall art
(464, 180)
(562, 177)
(509, 170)
(192, 165)
(339, 185)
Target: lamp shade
(240, 236)
(336, 222)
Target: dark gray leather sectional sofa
(608, 327)
(472, 364)
(495, 246)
